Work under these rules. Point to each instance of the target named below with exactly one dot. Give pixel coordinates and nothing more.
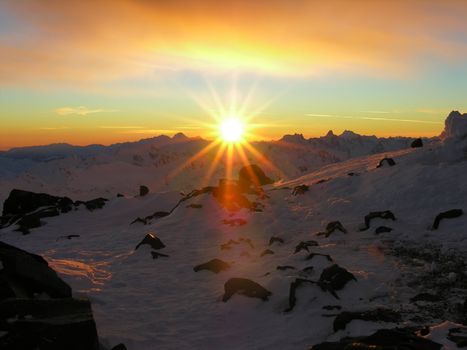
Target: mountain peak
(330, 134)
(179, 136)
(295, 138)
(348, 134)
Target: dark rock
(426, 297)
(450, 214)
(321, 181)
(331, 227)
(119, 195)
(214, 265)
(459, 336)
(387, 214)
(253, 175)
(156, 255)
(332, 307)
(143, 221)
(353, 174)
(336, 277)
(21, 202)
(312, 255)
(300, 189)
(293, 291)
(68, 237)
(32, 271)
(48, 324)
(245, 287)
(285, 267)
(93, 204)
(143, 190)
(304, 245)
(119, 347)
(247, 241)
(417, 143)
(382, 229)
(275, 239)
(383, 339)
(266, 252)
(389, 161)
(194, 206)
(152, 241)
(159, 214)
(377, 315)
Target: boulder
(245, 287)
(276, 239)
(21, 202)
(143, 190)
(47, 324)
(214, 265)
(383, 339)
(300, 189)
(378, 315)
(336, 277)
(32, 271)
(387, 215)
(455, 126)
(331, 227)
(304, 245)
(388, 161)
(417, 143)
(252, 175)
(151, 240)
(450, 214)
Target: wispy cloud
(433, 111)
(151, 131)
(120, 127)
(373, 118)
(81, 110)
(54, 128)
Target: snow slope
(164, 304)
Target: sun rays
(231, 130)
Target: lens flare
(231, 129)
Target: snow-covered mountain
(373, 219)
(164, 163)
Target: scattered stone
(336, 277)
(459, 336)
(377, 315)
(285, 267)
(266, 252)
(194, 206)
(382, 229)
(214, 265)
(304, 245)
(120, 346)
(119, 195)
(143, 190)
(450, 214)
(274, 239)
(156, 255)
(300, 189)
(152, 241)
(312, 255)
(387, 214)
(383, 339)
(247, 241)
(389, 161)
(417, 143)
(93, 204)
(331, 227)
(245, 287)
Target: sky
(103, 71)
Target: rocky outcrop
(214, 265)
(245, 287)
(151, 240)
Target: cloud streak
(397, 120)
(81, 111)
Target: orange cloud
(84, 42)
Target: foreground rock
(36, 307)
(245, 287)
(151, 240)
(214, 265)
(384, 339)
(336, 277)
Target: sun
(231, 129)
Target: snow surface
(164, 304)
